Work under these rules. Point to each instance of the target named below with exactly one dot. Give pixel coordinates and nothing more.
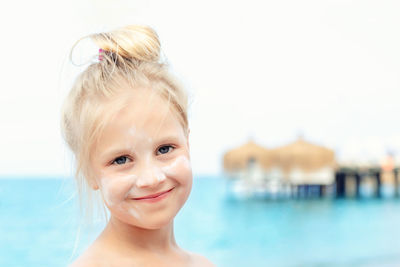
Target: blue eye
(165, 149)
(120, 160)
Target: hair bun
(133, 42)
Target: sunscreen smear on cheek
(178, 165)
(132, 211)
(115, 192)
(150, 176)
(160, 175)
(115, 189)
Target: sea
(40, 226)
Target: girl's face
(142, 164)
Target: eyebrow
(168, 138)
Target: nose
(150, 176)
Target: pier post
(396, 182)
(293, 191)
(300, 191)
(340, 184)
(358, 182)
(378, 184)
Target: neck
(133, 238)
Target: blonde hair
(129, 58)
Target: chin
(156, 224)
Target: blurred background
(295, 134)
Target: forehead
(143, 110)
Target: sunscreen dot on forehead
(132, 130)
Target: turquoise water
(38, 227)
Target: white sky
(269, 70)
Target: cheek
(179, 170)
(115, 189)
(185, 179)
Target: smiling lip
(154, 196)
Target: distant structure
(297, 169)
(302, 169)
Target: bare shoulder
(85, 262)
(90, 258)
(200, 260)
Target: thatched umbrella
(305, 156)
(239, 158)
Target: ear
(90, 177)
(93, 184)
(95, 187)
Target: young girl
(125, 120)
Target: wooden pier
(348, 181)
